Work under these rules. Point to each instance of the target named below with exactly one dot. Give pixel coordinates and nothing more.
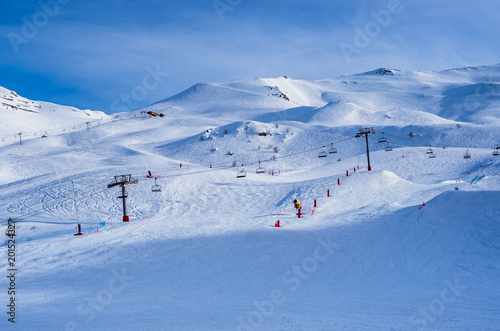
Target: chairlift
(467, 154)
(323, 153)
(432, 155)
(242, 173)
(121, 194)
(260, 170)
(429, 151)
(496, 152)
(382, 139)
(388, 148)
(332, 150)
(156, 187)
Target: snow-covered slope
(37, 118)
(464, 95)
(204, 253)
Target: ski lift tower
(122, 181)
(365, 132)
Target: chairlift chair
(382, 139)
(429, 151)
(467, 154)
(120, 195)
(323, 153)
(496, 150)
(260, 170)
(242, 173)
(332, 150)
(388, 148)
(156, 187)
(432, 155)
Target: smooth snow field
(413, 244)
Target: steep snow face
(412, 244)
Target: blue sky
(120, 55)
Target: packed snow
(410, 245)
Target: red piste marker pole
(347, 173)
(338, 181)
(315, 203)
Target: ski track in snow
(204, 254)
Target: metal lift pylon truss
(122, 181)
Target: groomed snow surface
(411, 245)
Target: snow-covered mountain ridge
(466, 95)
(20, 114)
(410, 245)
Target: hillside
(412, 244)
(37, 118)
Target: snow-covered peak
(20, 114)
(377, 92)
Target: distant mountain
(31, 117)
(462, 95)
(383, 97)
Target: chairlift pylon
(382, 139)
(121, 195)
(242, 173)
(332, 150)
(156, 187)
(323, 153)
(467, 154)
(260, 170)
